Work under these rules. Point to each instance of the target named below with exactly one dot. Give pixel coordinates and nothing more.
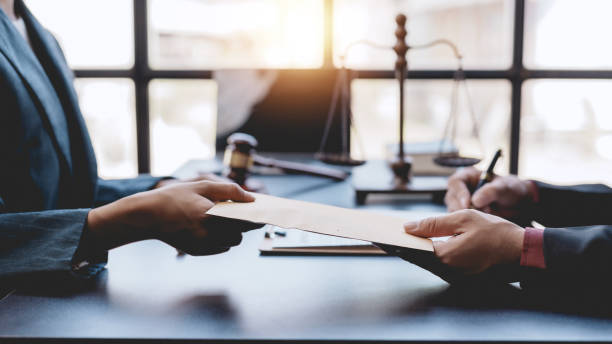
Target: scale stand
(395, 177)
(375, 177)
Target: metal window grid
(517, 74)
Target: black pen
(488, 175)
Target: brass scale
(393, 177)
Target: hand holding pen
(498, 195)
(488, 175)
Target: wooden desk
(148, 293)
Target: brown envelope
(323, 219)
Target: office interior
(175, 76)
(162, 84)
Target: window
(568, 34)
(482, 30)
(108, 108)
(524, 63)
(183, 122)
(214, 34)
(566, 132)
(96, 34)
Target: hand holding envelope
(386, 231)
(323, 219)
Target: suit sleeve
(112, 190)
(570, 206)
(577, 259)
(43, 245)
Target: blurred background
(164, 81)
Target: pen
(488, 175)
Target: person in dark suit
(56, 214)
(573, 251)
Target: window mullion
(141, 81)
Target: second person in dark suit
(573, 252)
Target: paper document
(298, 242)
(323, 219)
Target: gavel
(240, 156)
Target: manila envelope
(323, 219)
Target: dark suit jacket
(577, 240)
(48, 173)
(578, 257)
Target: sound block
(376, 177)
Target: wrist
(517, 242)
(95, 228)
(120, 222)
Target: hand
(479, 241)
(504, 196)
(175, 214)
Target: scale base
(376, 177)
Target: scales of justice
(395, 176)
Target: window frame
(141, 74)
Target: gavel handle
(296, 167)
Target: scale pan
(455, 161)
(338, 159)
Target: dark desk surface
(148, 293)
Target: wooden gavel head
(238, 157)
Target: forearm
(121, 222)
(72, 240)
(569, 206)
